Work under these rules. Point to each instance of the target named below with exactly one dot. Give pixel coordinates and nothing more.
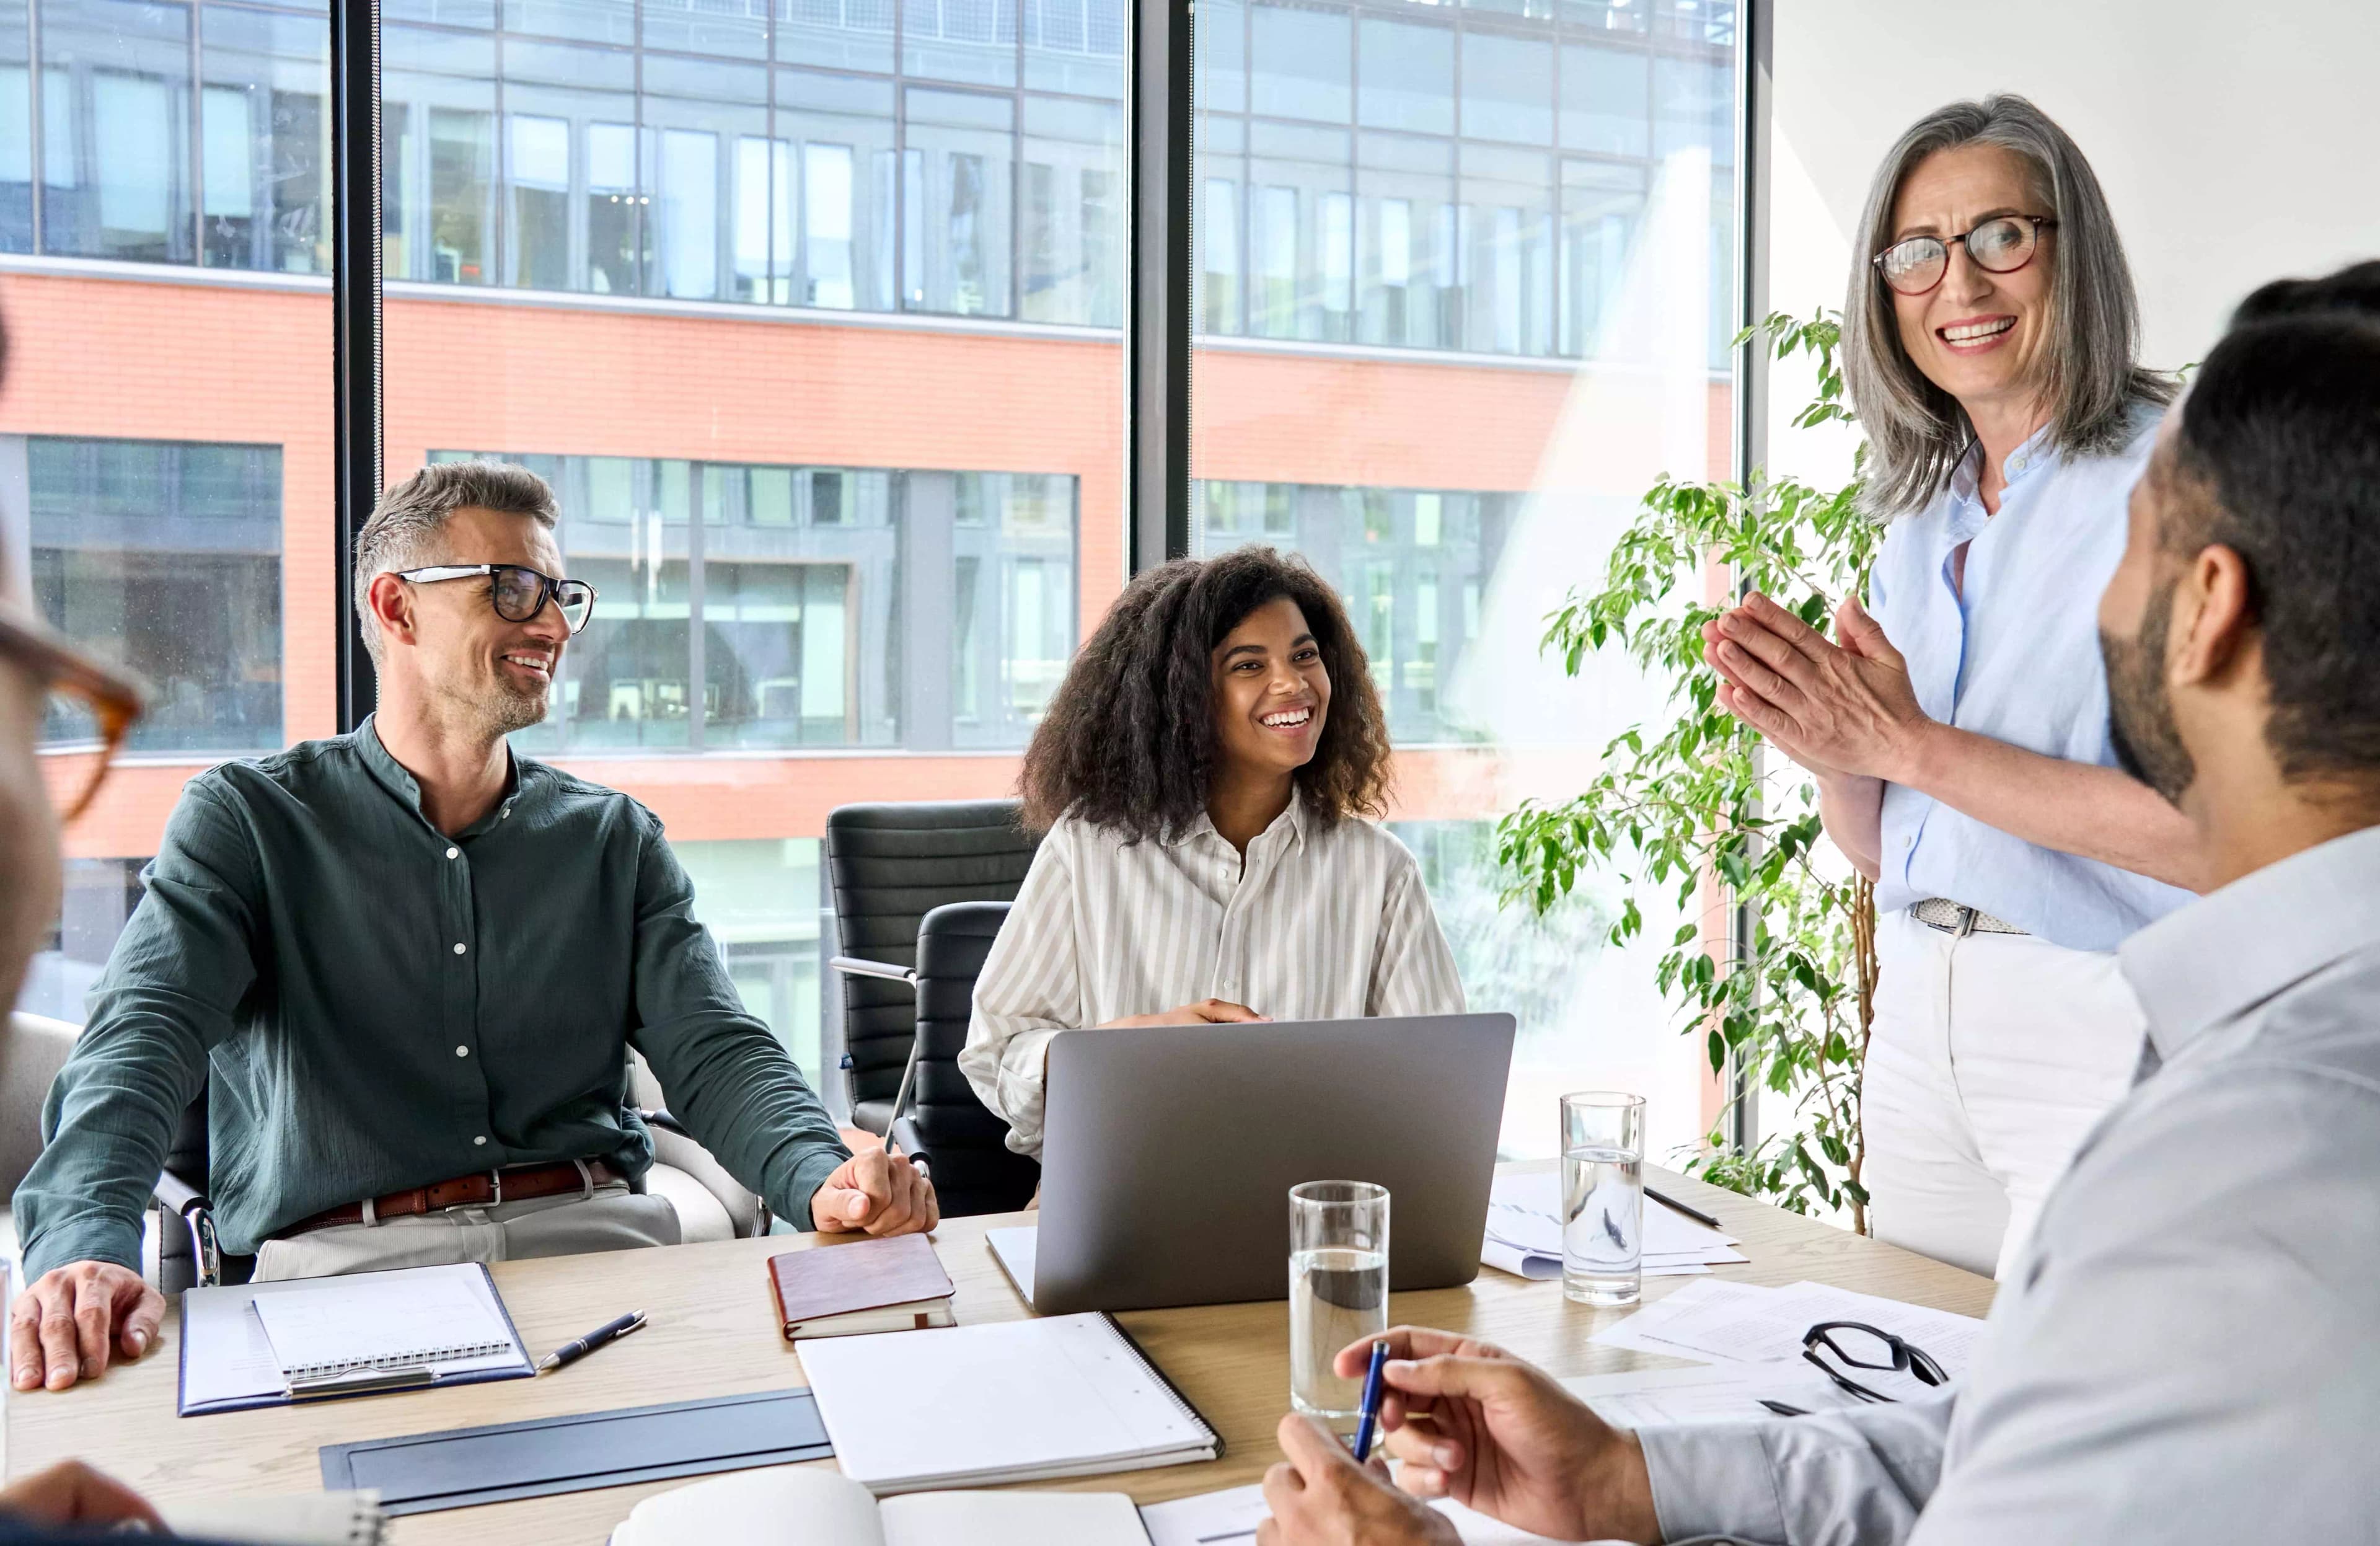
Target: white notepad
(1014, 1401)
(446, 1319)
(384, 1320)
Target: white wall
(2237, 142)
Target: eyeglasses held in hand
(517, 591)
(2001, 244)
(1855, 1345)
(91, 708)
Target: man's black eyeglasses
(1855, 1345)
(517, 592)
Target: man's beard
(502, 706)
(2140, 712)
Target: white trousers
(611, 1219)
(1990, 1059)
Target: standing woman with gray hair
(1958, 734)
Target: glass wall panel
(1072, 212)
(1539, 188)
(117, 128)
(16, 128)
(969, 41)
(604, 147)
(165, 558)
(438, 156)
(1407, 78)
(165, 491)
(840, 132)
(956, 175)
(265, 137)
(818, 606)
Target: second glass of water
(1338, 1289)
(1603, 1197)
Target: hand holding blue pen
(1371, 1404)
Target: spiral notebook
(1012, 1401)
(258, 1344)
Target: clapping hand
(1836, 709)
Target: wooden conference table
(712, 1334)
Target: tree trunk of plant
(1864, 963)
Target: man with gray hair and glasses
(408, 966)
(2188, 1350)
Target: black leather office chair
(965, 1144)
(891, 867)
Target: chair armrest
(678, 1149)
(906, 1138)
(853, 966)
(198, 1216)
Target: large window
(166, 483)
(1463, 289)
(166, 558)
(811, 311)
(817, 606)
(1412, 564)
(777, 155)
(649, 249)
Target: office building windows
(164, 557)
(1543, 191)
(1408, 564)
(1469, 183)
(816, 607)
(265, 141)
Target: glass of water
(1603, 1197)
(1338, 1289)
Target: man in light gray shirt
(2189, 1349)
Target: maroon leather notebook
(869, 1285)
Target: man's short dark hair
(2277, 456)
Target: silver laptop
(1167, 1152)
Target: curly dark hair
(1129, 741)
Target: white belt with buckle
(1951, 918)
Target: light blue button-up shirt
(2016, 658)
(2188, 1353)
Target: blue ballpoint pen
(1371, 1403)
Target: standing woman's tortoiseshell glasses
(91, 707)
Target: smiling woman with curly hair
(1202, 778)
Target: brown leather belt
(484, 1188)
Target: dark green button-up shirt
(372, 1006)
